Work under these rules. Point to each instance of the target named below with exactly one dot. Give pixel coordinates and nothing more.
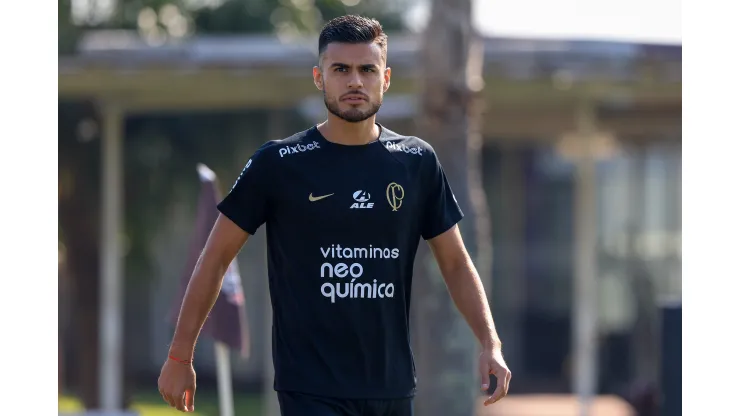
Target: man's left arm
(466, 290)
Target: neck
(336, 130)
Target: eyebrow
(363, 66)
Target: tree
(160, 20)
(452, 60)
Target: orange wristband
(180, 361)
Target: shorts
(298, 404)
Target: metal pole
(585, 312)
(223, 372)
(111, 291)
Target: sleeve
(246, 204)
(441, 209)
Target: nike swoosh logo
(317, 198)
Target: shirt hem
(446, 227)
(227, 211)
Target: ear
(386, 79)
(317, 79)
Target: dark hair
(353, 29)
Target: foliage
(159, 20)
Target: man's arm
(464, 285)
(466, 290)
(224, 242)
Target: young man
(345, 204)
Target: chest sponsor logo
(400, 147)
(299, 148)
(343, 269)
(362, 199)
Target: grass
(151, 404)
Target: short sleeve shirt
(343, 226)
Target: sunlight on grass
(162, 410)
(69, 404)
(152, 405)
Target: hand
(177, 385)
(492, 362)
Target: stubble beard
(353, 115)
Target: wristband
(180, 361)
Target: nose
(354, 82)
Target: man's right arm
(224, 242)
(242, 212)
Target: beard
(353, 115)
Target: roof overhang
(531, 87)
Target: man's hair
(353, 29)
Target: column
(585, 312)
(111, 273)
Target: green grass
(151, 404)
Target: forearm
(200, 296)
(466, 290)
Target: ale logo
(361, 200)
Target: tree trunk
(445, 347)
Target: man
(345, 204)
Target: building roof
(636, 86)
(514, 58)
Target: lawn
(206, 404)
(151, 404)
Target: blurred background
(565, 154)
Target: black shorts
(298, 404)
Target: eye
(340, 69)
(368, 69)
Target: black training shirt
(343, 225)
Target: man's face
(353, 78)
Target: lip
(354, 98)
